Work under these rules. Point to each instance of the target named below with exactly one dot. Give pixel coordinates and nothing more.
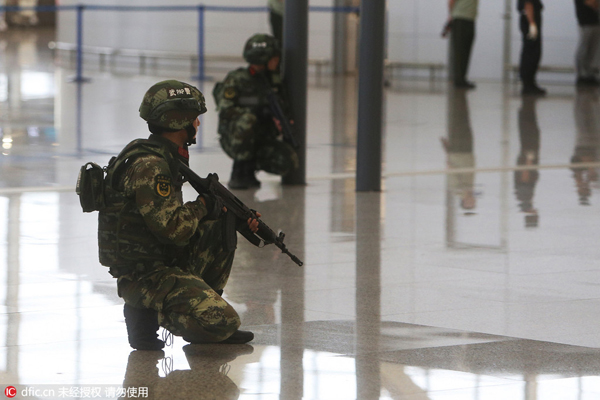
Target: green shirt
(276, 6)
(465, 9)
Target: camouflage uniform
(248, 133)
(167, 255)
(246, 127)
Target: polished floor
(473, 275)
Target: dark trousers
(460, 134)
(530, 54)
(462, 37)
(277, 26)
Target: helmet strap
(191, 134)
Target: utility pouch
(90, 187)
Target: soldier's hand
(278, 124)
(214, 207)
(253, 223)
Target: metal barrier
(200, 9)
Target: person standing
(589, 41)
(531, 52)
(276, 8)
(462, 35)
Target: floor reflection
(436, 288)
(587, 146)
(27, 96)
(205, 379)
(526, 179)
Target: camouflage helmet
(172, 104)
(260, 48)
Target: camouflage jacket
(145, 220)
(242, 96)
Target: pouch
(90, 187)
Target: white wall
(414, 30)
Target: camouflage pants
(244, 141)
(185, 295)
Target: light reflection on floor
(473, 275)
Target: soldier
(168, 256)
(249, 133)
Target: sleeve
(229, 97)
(234, 118)
(162, 208)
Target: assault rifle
(237, 212)
(275, 107)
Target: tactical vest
(124, 239)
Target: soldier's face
(273, 63)
(196, 124)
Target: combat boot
(251, 174)
(242, 175)
(239, 337)
(238, 178)
(142, 326)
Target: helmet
(260, 48)
(172, 105)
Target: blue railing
(200, 9)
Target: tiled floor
(473, 275)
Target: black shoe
(142, 326)
(239, 337)
(465, 85)
(533, 90)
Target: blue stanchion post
(78, 118)
(201, 10)
(79, 74)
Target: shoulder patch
(229, 93)
(163, 185)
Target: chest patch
(163, 185)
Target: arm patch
(163, 186)
(229, 93)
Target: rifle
(275, 106)
(238, 210)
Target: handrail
(201, 9)
(166, 8)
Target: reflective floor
(473, 275)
